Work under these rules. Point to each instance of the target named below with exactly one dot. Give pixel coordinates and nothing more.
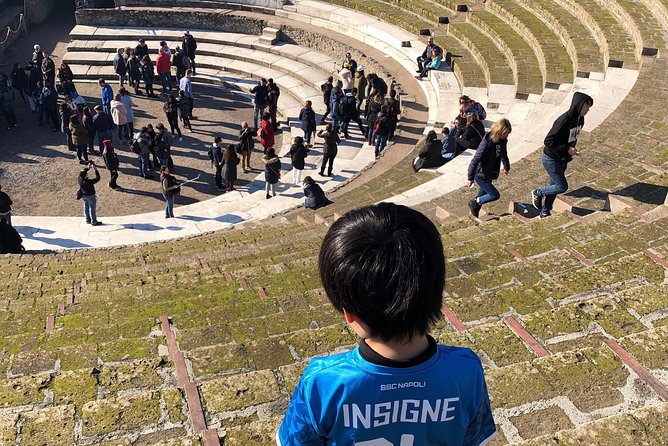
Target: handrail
(10, 30)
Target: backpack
(135, 146)
(479, 110)
(210, 153)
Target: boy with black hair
(382, 266)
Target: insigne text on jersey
(398, 411)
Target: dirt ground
(40, 174)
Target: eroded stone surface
(239, 391)
(120, 413)
(48, 427)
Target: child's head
(384, 264)
(299, 140)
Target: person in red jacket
(266, 132)
(164, 66)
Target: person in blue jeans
(486, 164)
(260, 91)
(559, 149)
(87, 191)
(106, 95)
(170, 188)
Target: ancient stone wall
(191, 20)
(37, 10)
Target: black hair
(384, 263)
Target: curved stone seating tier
(572, 32)
(528, 72)
(640, 22)
(551, 52)
(216, 50)
(660, 10)
(618, 45)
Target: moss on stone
(204, 335)
(128, 349)
(74, 387)
(269, 353)
(650, 348)
(120, 413)
(22, 391)
(645, 299)
(518, 384)
(256, 433)
(291, 374)
(321, 340)
(48, 427)
(131, 375)
(219, 359)
(176, 405)
(500, 344)
(8, 429)
(78, 357)
(239, 391)
(177, 436)
(541, 422)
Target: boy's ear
(349, 317)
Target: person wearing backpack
(466, 104)
(381, 130)
(486, 164)
(337, 95)
(216, 156)
(393, 111)
(307, 118)
(246, 145)
(348, 109)
(141, 146)
(111, 161)
(473, 134)
(372, 110)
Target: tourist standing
(134, 71)
(6, 103)
(107, 95)
(120, 116)
(360, 86)
(559, 150)
(307, 118)
(298, 152)
(48, 69)
(119, 66)
(266, 132)
(79, 138)
(103, 125)
(168, 140)
(230, 161)
(112, 163)
(186, 86)
(169, 190)
(141, 146)
(246, 144)
(189, 46)
(260, 91)
(141, 50)
(163, 66)
(10, 240)
(272, 103)
(486, 165)
(184, 112)
(217, 161)
(272, 171)
(348, 108)
(326, 90)
(147, 74)
(47, 103)
(87, 191)
(90, 127)
(381, 130)
(181, 62)
(126, 99)
(330, 148)
(171, 108)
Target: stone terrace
(203, 339)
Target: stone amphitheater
(196, 333)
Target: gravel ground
(40, 174)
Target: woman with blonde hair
(486, 164)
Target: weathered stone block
(49, 427)
(120, 413)
(239, 391)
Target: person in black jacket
(559, 149)
(472, 135)
(330, 148)
(5, 207)
(230, 163)
(486, 164)
(217, 161)
(87, 189)
(297, 154)
(314, 197)
(189, 47)
(430, 153)
(111, 161)
(10, 240)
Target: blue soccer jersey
(345, 400)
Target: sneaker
(180, 138)
(268, 196)
(536, 200)
(149, 177)
(474, 207)
(544, 214)
(96, 223)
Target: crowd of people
(354, 96)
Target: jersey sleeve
(298, 427)
(481, 430)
